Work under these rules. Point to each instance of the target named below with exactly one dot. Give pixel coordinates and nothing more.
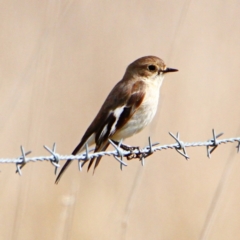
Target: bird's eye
(151, 67)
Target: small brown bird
(129, 107)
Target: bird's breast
(143, 115)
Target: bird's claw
(132, 154)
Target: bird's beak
(170, 70)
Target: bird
(129, 107)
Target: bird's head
(148, 67)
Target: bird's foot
(131, 149)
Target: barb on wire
(215, 143)
(121, 151)
(22, 161)
(80, 164)
(150, 151)
(181, 146)
(55, 159)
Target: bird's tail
(102, 148)
(79, 148)
(63, 170)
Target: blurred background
(58, 62)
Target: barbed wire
(121, 151)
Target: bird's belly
(140, 119)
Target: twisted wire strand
(144, 152)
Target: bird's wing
(118, 116)
(118, 108)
